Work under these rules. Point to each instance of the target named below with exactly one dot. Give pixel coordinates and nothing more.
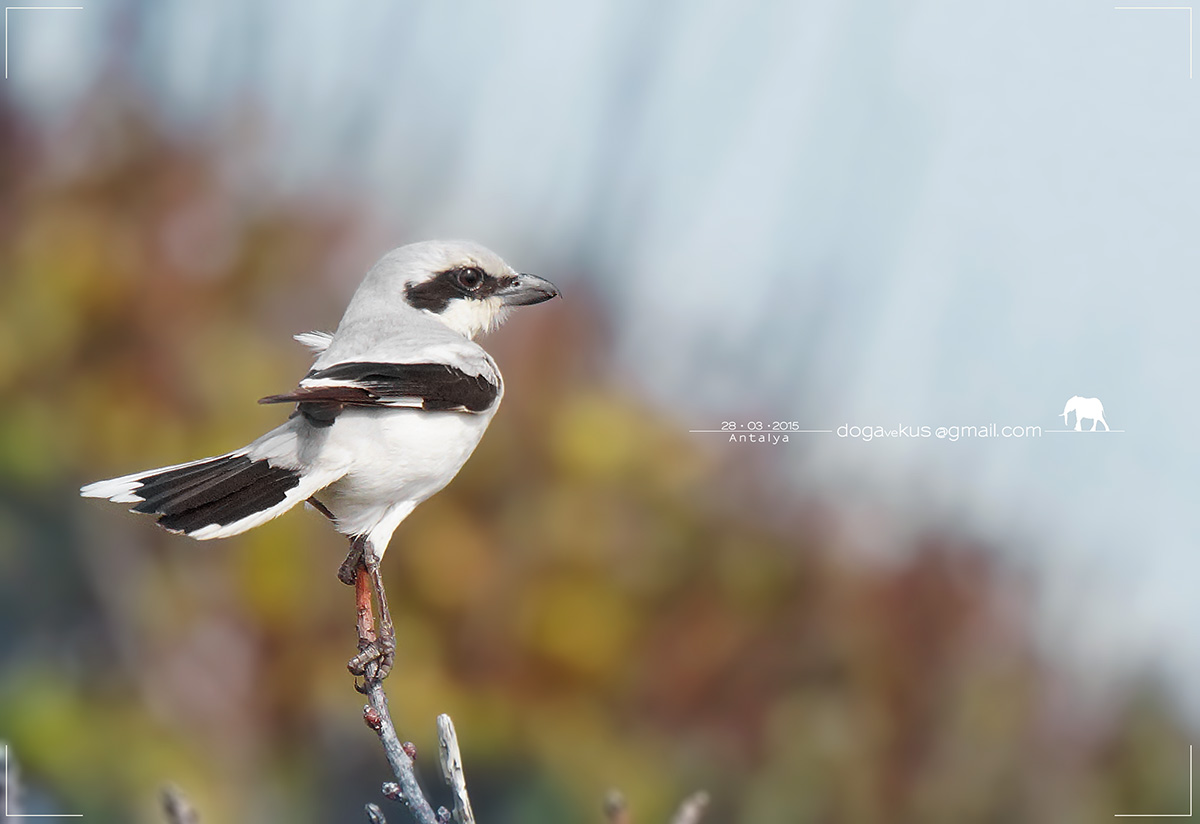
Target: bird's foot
(376, 645)
(374, 660)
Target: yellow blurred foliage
(450, 558)
(578, 623)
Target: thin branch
(375, 815)
(452, 769)
(378, 718)
(409, 791)
(178, 809)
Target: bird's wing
(433, 387)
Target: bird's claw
(381, 654)
(387, 658)
(368, 654)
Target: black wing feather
(440, 387)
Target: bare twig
(10, 787)
(375, 815)
(452, 769)
(178, 809)
(378, 718)
(692, 809)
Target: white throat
(470, 317)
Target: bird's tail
(221, 496)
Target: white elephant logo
(1085, 408)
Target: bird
(397, 399)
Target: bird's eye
(470, 277)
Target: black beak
(526, 290)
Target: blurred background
(852, 214)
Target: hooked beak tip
(529, 290)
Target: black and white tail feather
(222, 496)
(395, 403)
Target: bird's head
(464, 285)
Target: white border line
(1188, 814)
(827, 431)
(1188, 9)
(755, 431)
(7, 9)
(27, 815)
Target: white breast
(393, 459)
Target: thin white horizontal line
(7, 9)
(758, 431)
(1188, 9)
(1188, 814)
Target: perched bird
(396, 401)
